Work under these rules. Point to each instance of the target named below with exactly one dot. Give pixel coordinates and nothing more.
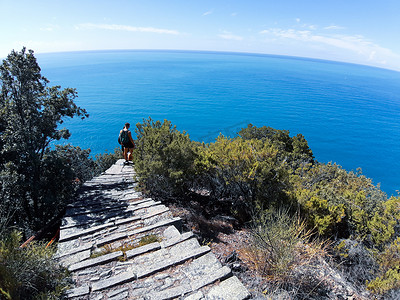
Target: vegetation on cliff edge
(37, 181)
(264, 169)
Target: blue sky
(357, 31)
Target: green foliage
(387, 282)
(389, 278)
(164, 158)
(79, 161)
(242, 169)
(334, 201)
(30, 272)
(105, 160)
(264, 168)
(31, 175)
(390, 257)
(385, 223)
(294, 150)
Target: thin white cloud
(334, 27)
(234, 14)
(116, 27)
(208, 13)
(356, 44)
(229, 36)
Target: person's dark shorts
(129, 145)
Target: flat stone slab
(110, 216)
(141, 250)
(124, 235)
(95, 261)
(78, 292)
(113, 281)
(146, 271)
(229, 289)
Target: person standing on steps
(125, 137)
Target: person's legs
(130, 154)
(126, 153)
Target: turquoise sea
(349, 114)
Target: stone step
(108, 211)
(66, 236)
(182, 290)
(84, 211)
(179, 259)
(78, 292)
(114, 281)
(133, 274)
(90, 198)
(95, 261)
(76, 232)
(119, 236)
(84, 252)
(142, 250)
(108, 207)
(114, 215)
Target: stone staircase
(120, 245)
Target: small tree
(164, 158)
(30, 113)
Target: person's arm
(130, 137)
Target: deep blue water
(348, 113)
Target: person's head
(127, 125)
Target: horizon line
(245, 53)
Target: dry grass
(279, 245)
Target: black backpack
(123, 138)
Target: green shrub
(388, 282)
(335, 201)
(242, 169)
(385, 223)
(164, 158)
(105, 160)
(30, 272)
(293, 150)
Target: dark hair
(127, 125)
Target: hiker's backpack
(124, 138)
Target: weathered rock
(110, 216)
(229, 289)
(95, 261)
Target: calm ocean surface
(349, 114)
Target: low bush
(242, 169)
(334, 201)
(282, 252)
(30, 272)
(277, 243)
(293, 150)
(105, 160)
(388, 281)
(164, 158)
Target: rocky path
(119, 245)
